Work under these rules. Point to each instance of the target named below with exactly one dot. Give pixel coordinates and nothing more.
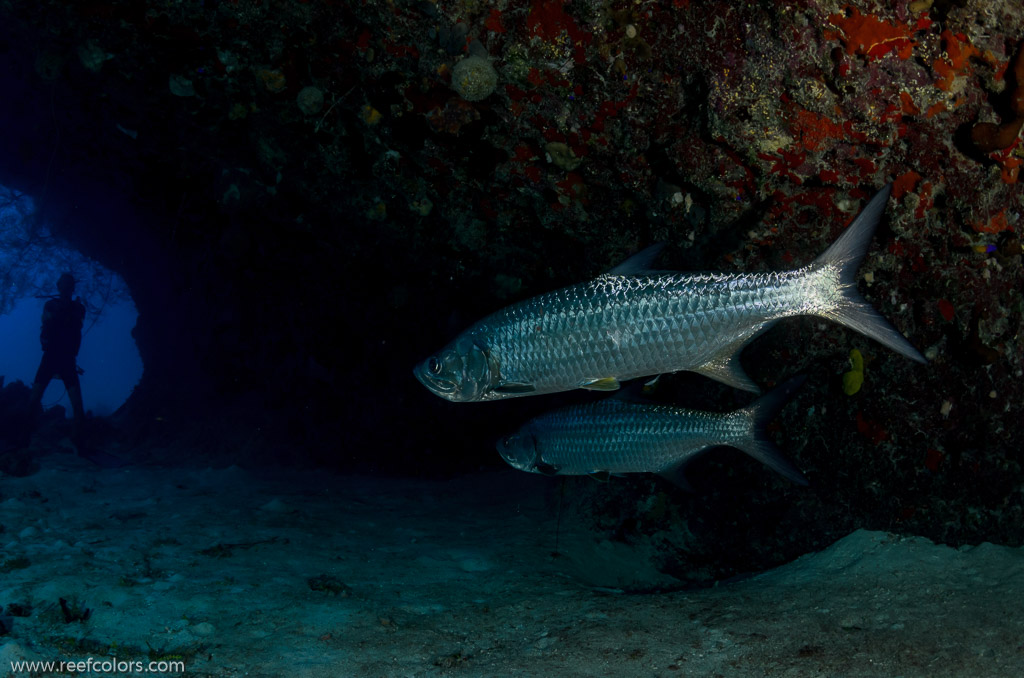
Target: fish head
(460, 372)
(519, 450)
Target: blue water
(108, 355)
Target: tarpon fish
(632, 322)
(617, 436)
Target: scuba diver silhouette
(61, 337)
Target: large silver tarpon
(631, 322)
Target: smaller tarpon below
(617, 435)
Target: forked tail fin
(758, 446)
(752, 420)
(845, 256)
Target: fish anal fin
(766, 452)
(600, 384)
(677, 476)
(727, 369)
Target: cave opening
(32, 258)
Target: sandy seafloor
(283, 573)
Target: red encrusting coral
(955, 58)
(905, 183)
(933, 459)
(999, 140)
(872, 37)
(946, 310)
(996, 224)
(547, 20)
(813, 130)
(493, 22)
(871, 430)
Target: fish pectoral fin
(602, 384)
(727, 369)
(515, 387)
(546, 469)
(600, 476)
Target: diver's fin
(515, 387)
(846, 255)
(758, 446)
(640, 262)
(728, 370)
(602, 384)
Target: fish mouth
(441, 387)
(503, 445)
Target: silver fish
(617, 436)
(632, 322)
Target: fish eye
(434, 365)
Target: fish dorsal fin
(640, 262)
(600, 384)
(729, 371)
